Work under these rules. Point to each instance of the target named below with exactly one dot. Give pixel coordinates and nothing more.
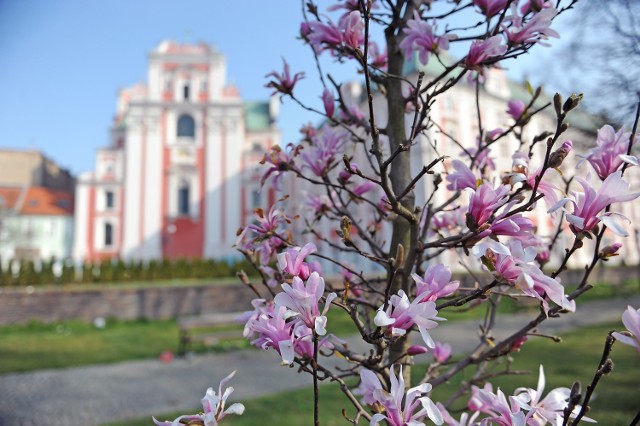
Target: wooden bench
(198, 329)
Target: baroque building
(180, 173)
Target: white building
(180, 173)
(36, 223)
(455, 117)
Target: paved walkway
(98, 394)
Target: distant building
(180, 174)
(455, 119)
(36, 223)
(32, 168)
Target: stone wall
(19, 306)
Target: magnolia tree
(361, 190)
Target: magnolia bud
(572, 102)
(416, 350)
(610, 251)
(557, 103)
(518, 343)
(558, 156)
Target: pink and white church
(181, 172)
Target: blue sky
(63, 61)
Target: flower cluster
(290, 324)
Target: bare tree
(605, 46)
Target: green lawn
(72, 343)
(615, 403)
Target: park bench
(209, 329)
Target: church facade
(180, 174)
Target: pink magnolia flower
(274, 332)
(435, 284)
(501, 412)
(348, 33)
(476, 403)
(302, 299)
(328, 102)
(515, 108)
(213, 407)
(401, 315)
(609, 154)
(441, 352)
(631, 320)
(376, 58)
(260, 307)
(292, 262)
(364, 187)
(345, 175)
(400, 407)
(320, 157)
(514, 265)
(283, 83)
(265, 226)
(490, 7)
(484, 202)
(462, 178)
(369, 384)
(419, 37)
(516, 225)
(537, 28)
(481, 50)
(303, 340)
(279, 162)
(588, 205)
(549, 409)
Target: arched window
(183, 198)
(186, 126)
(108, 234)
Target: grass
(73, 343)
(615, 402)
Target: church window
(108, 235)
(186, 126)
(183, 198)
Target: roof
(174, 47)
(44, 201)
(9, 197)
(257, 116)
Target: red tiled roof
(9, 197)
(44, 201)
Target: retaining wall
(19, 306)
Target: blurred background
(130, 133)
